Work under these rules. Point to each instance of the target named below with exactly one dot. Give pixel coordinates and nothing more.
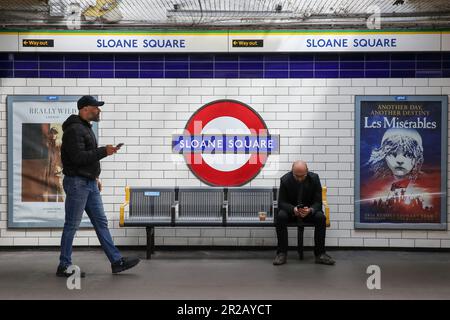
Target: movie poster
(35, 178)
(401, 162)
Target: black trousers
(318, 219)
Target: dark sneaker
(62, 272)
(124, 263)
(325, 259)
(280, 259)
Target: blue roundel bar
(226, 144)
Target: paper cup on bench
(262, 215)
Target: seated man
(300, 197)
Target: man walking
(81, 167)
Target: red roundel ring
(210, 175)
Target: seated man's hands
(302, 212)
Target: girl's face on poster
(400, 163)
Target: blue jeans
(82, 194)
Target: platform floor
(223, 274)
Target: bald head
(299, 170)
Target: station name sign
(225, 41)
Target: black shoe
(325, 259)
(124, 263)
(280, 259)
(62, 272)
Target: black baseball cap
(88, 101)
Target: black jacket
(288, 196)
(79, 152)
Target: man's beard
(96, 118)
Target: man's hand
(302, 212)
(99, 184)
(110, 149)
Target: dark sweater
(79, 152)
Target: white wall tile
(314, 117)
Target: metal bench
(205, 206)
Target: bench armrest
(176, 209)
(274, 208)
(326, 208)
(225, 212)
(122, 207)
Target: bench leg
(153, 239)
(300, 242)
(149, 242)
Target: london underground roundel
(225, 143)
